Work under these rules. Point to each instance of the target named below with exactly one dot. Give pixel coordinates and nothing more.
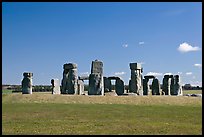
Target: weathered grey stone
(81, 87)
(136, 78)
(172, 86)
(119, 86)
(27, 83)
(70, 77)
(70, 66)
(96, 83)
(149, 77)
(155, 87)
(55, 86)
(166, 87)
(83, 78)
(107, 84)
(146, 87)
(177, 86)
(134, 66)
(97, 67)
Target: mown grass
(192, 91)
(6, 91)
(88, 115)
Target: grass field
(44, 113)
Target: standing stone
(155, 87)
(70, 77)
(95, 87)
(96, 84)
(27, 83)
(55, 86)
(136, 78)
(146, 87)
(172, 86)
(167, 84)
(81, 87)
(177, 86)
(107, 84)
(119, 86)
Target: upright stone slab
(136, 78)
(146, 87)
(70, 77)
(27, 83)
(96, 84)
(81, 87)
(55, 86)
(107, 84)
(177, 86)
(172, 86)
(119, 86)
(167, 84)
(155, 87)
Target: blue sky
(40, 37)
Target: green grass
(6, 91)
(192, 91)
(88, 115)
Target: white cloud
(179, 73)
(198, 65)
(120, 73)
(189, 73)
(154, 73)
(185, 47)
(142, 62)
(125, 45)
(141, 43)
(168, 73)
(84, 73)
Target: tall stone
(166, 87)
(155, 87)
(172, 86)
(107, 84)
(70, 77)
(119, 86)
(96, 84)
(177, 86)
(80, 87)
(27, 83)
(136, 78)
(146, 87)
(55, 86)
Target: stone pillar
(145, 86)
(172, 86)
(167, 84)
(80, 87)
(107, 84)
(177, 86)
(55, 86)
(96, 84)
(70, 77)
(136, 81)
(155, 87)
(95, 87)
(119, 86)
(27, 83)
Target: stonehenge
(135, 84)
(73, 84)
(55, 86)
(70, 77)
(96, 85)
(27, 83)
